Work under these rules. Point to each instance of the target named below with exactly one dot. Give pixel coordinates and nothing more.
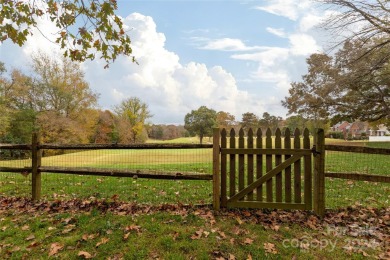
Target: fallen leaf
(222, 234)
(103, 241)
(231, 257)
(248, 241)
(197, 235)
(249, 257)
(275, 227)
(25, 227)
(84, 254)
(133, 228)
(175, 235)
(270, 248)
(33, 244)
(86, 237)
(30, 237)
(54, 248)
(126, 236)
(239, 221)
(246, 213)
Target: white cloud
(225, 44)
(276, 31)
(170, 88)
(290, 9)
(309, 21)
(303, 44)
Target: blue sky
(235, 56)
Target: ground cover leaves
(111, 229)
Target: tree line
(201, 122)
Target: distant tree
(156, 132)
(201, 122)
(225, 119)
(249, 120)
(296, 121)
(135, 112)
(104, 128)
(84, 27)
(270, 121)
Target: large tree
(359, 20)
(201, 122)
(85, 27)
(135, 112)
(55, 96)
(348, 85)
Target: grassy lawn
(109, 230)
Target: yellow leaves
(54, 248)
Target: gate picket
(250, 162)
(308, 170)
(297, 169)
(259, 164)
(278, 160)
(223, 170)
(268, 165)
(232, 166)
(287, 171)
(241, 161)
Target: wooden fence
(244, 188)
(36, 168)
(358, 176)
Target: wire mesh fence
(176, 162)
(347, 192)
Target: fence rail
(36, 167)
(353, 175)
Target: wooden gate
(270, 172)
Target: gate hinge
(314, 151)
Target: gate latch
(314, 151)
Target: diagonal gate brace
(264, 178)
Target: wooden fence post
(36, 155)
(319, 173)
(216, 170)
